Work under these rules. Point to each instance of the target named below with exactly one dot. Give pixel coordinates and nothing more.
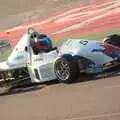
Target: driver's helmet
(40, 42)
(44, 42)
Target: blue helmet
(40, 42)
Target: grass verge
(94, 36)
(5, 54)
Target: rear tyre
(66, 69)
(113, 39)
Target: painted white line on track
(112, 86)
(95, 116)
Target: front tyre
(65, 69)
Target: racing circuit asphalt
(93, 99)
(97, 99)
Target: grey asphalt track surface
(94, 99)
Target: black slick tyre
(66, 69)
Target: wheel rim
(62, 70)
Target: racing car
(66, 62)
(75, 56)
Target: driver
(40, 42)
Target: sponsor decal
(19, 57)
(98, 50)
(109, 50)
(46, 72)
(94, 69)
(90, 70)
(84, 42)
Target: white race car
(64, 63)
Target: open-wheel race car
(64, 63)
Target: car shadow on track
(26, 88)
(86, 78)
(39, 86)
(19, 90)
